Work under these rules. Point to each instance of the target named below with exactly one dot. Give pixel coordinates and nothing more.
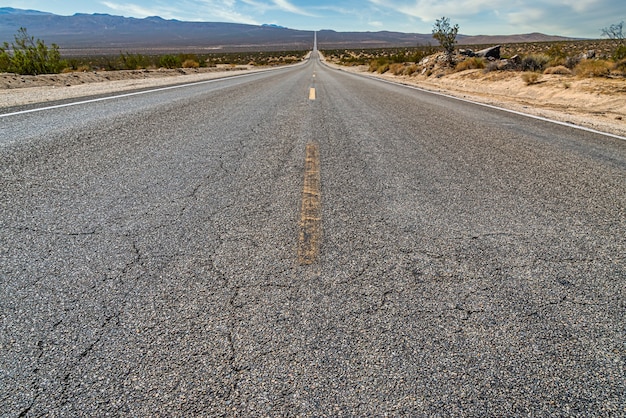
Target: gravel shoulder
(593, 103)
(19, 90)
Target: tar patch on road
(311, 211)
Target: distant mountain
(10, 10)
(83, 33)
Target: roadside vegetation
(582, 58)
(29, 56)
(138, 61)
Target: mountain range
(102, 32)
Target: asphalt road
(237, 248)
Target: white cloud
(428, 11)
(203, 10)
(133, 9)
(286, 6)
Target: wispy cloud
(203, 10)
(134, 9)
(286, 6)
(427, 11)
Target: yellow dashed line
(312, 93)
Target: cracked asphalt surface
(472, 262)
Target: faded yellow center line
(311, 211)
(312, 93)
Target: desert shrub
(396, 69)
(535, 62)
(377, 64)
(557, 56)
(470, 64)
(559, 69)
(134, 61)
(572, 62)
(619, 53)
(170, 61)
(410, 69)
(530, 78)
(556, 51)
(491, 66)
(382, 69)
(592, 68)
(191, 64)
(620, 67)
(29, 56)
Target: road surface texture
(305, 242)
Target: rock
(467, 52)
(493, 52)
(591, 54)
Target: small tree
(616, 33)
(28, 56)
(446, 35)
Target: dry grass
(620, 68)
(411, 69)
(559, 69)
(191, 64)
(470, 64)
(397, 69)
(531, 78)
(592, 68)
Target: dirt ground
(18, 90)
(596, 103)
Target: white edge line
(515, 112)
(136, 93)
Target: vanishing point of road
(307, 242)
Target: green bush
(28, 56)
(170, 61)
(134, 61)
(620, 53)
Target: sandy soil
(594, 103)
(597, 103)
(18, 90)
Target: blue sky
(576, 18)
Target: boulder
(467, 52)
(493, 52)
